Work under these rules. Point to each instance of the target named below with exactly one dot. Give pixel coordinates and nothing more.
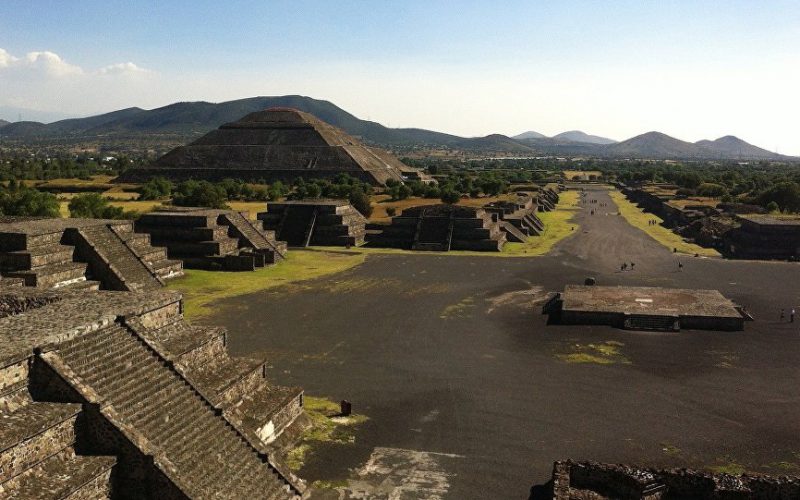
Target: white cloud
(122, 68)
(6, 59)
(51, 65)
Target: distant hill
(3, 123)
(578, 136)
(530, 134)
(186, 121)
(733, 147)
(658, 145)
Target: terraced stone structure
(441, 228)
(517, 218)
(206, 238)
(764, 236)
(646, 308)
(276, 144)
(82, 253)
(315, 222)
(113, 395)
(598, 481)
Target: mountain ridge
(186, 121)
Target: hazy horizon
(692, 70)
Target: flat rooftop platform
(648, 301)
(54, 225)
(772, 219)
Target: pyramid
(276, 144)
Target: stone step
(63, 475)
(52, 275)
(36, 257)
(227, 379)
(34, 432)
(84, 285)
(129, 272)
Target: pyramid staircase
(315, 222)
(144, 398)
(83, 254)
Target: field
(638, 218)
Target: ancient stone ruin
(212, 239)
(441, 228)
(113, 395)
(82, 253)
(645, 308)
(764, 236)
(517, 218)
(276, 144)
(598, 481)
(315, 222)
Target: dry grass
(252, 207)
(638, 218)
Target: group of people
(625, 267)
(652, 222)
(791, 315)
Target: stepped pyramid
(276, 144)
(82, 253)
(113, 395)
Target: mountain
(578, 136)
(733, 147)
(658, 145)
(3, 123)
(530, 134)
(186, 121)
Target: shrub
(391, 211)
(94, 206)
(24, 201)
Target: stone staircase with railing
(145, 397)
(250, 236)
(82, 254)
(112, 259)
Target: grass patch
(638, 218)
(729, 466)
(251, 207)
(327, 427)
(670, 449)
(605, 353)
(459, 310)
(202, 288)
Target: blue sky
(691, 69)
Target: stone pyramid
(276, 144)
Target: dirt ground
(471, 394)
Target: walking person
(791, 316)
(680, 266)
(782, 316)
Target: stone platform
(646, 308)
(82, 253)
(441, 228)
(206, 238)
(301, 223)
(599, 481)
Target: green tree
(93, 206)
(450, 196)
(24, 201)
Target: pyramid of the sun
(276, 144)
